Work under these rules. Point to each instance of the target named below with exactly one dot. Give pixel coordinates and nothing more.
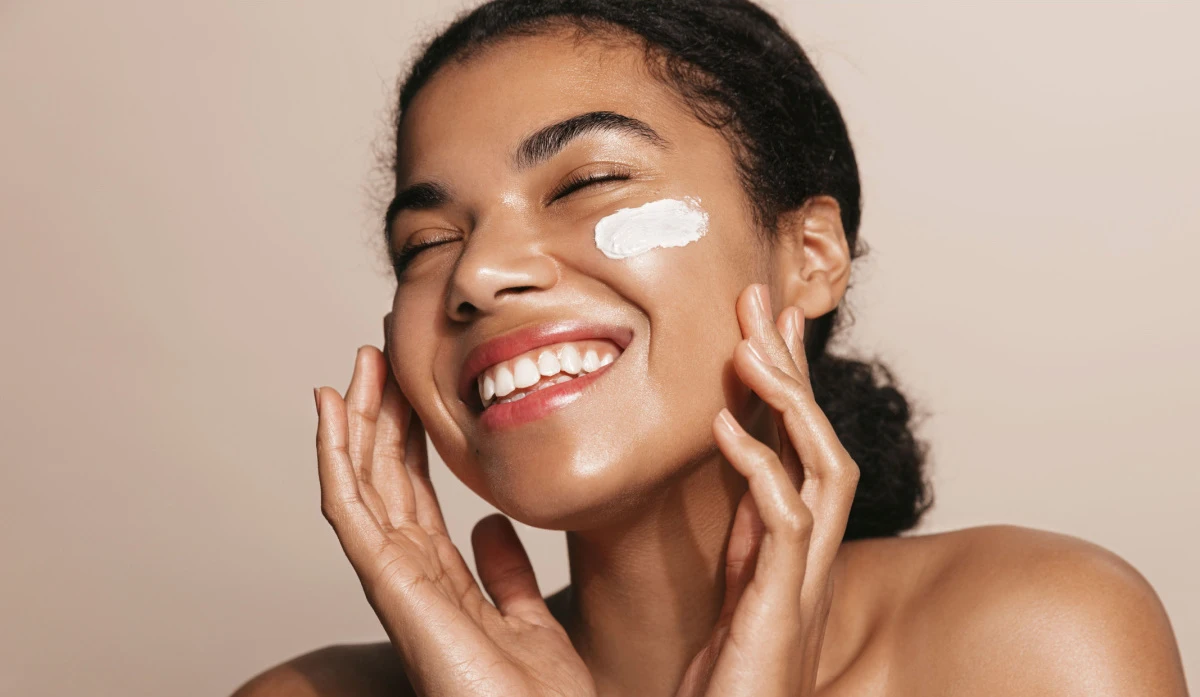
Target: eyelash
(404, 257)
(578, 182)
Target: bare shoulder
(343, 670)
(1011, 610)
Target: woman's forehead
(484, 108)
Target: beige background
(189, 246)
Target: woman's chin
(562, 499)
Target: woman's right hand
(376, 493)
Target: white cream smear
(667, 222)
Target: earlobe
(813, 257)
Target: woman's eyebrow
(418, 197)
(546, 142)
(535, 149)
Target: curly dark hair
(741, 73)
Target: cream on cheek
(667, 222)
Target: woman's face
(516, 272)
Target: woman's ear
(812, 257)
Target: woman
(621, 233)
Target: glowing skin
(624, 458)
(667, 222)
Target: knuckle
(333, 509)
(359, 428)
(799, 388)
(798, 521)
(389, 451)
(846, 475)
(794, 386)
(764, 458)
(760, 450)
(797, 409)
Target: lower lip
(538, 403)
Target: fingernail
(798, 325)
(756, 350)
(317, 399)
(795, 317)
(764, 300)
(727, 420)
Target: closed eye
(401, 259)
(576, 183)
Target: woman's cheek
(415, 335)
(684, 266)
(688, 267)
(661, 224)
(672, 257)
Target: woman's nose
(498, 265)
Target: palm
(425, 568)
(377, 494)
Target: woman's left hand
(788, 525)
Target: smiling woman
(621, 233)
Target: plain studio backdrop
(191, 243)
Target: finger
(830, 474)
(341, 502)
(785, 325)
(808, 429)
(757, 322)
(389, 475)
(427, 509)
(773, 335)
(363, 399)
(416, 460)
(741, 555)
(835, 506)
(416, 457)
(790, 325)
(505, 571)
(787, 521)
(362, 403)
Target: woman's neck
(646, 594)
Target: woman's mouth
(512, 380)
(524, 375)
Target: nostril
(465, 308)
(515, 289)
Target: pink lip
(517, 342)
(538, 404)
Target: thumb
(741, 555)
(505, 570)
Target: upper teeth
(545, 366)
